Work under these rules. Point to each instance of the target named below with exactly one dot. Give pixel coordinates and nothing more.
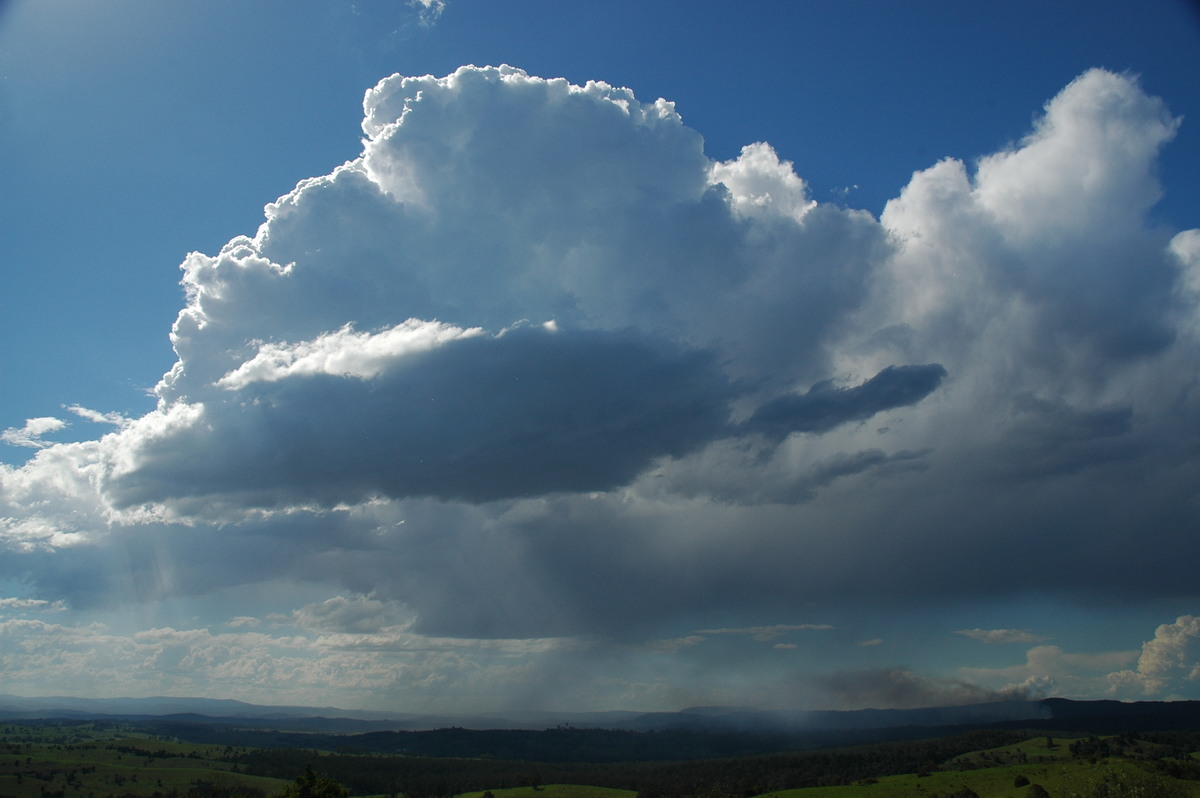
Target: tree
(313, 785)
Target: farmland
(100, 759)
(96, 760)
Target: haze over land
(537, 401)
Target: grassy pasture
(101, 760)
(1054, 769)
(111, 760)
(555, 791)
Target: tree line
(438, 777)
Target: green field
(101, 760)
(554, 791)
(995, 773)
(114, 760)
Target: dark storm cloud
(824, 407)
(1050, 438)
(480, 418)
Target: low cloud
(528, 412)
(359, 614)
(902, 689)
(19, 604)
(824, 407)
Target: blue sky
(857, 371)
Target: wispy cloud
(30, 435)
(429, 10)
(1002, 635)
(97, 417)
(31, 604)
(765, 634)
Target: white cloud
(31, 434)
(761, 184)
(344, 353)
(1168, 665)
(360, 614)
(1072, 674)
(1050, 235)
(97, 417)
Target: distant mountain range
(1052, 713)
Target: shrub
(1135, 784)
(314, 785)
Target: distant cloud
(31, 604)
(902, 689)
(672, 645)
(874, 641)
(95, 416)
(359, 614)
(765, 634)
(1051, 668)
(1002, 635)
(243, 621)
(1169, 664)
(31, 434)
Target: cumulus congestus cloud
(661, 285)
(533, 343)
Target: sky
(466, 356)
